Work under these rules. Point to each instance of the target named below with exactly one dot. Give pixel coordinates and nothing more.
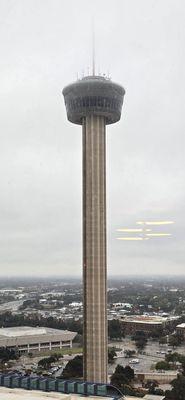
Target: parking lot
(151, 354)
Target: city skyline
(43, 46)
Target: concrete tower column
(94, 102)
(94, 249)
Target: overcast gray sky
(43, 45)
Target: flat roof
(20, 331)
(145, 320)
(21, 394)
(181, 325)
(148, 319)
(164, 373)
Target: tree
(174, 357)
(178, 389)
(162, 365)
(156, 334)
(46, 362)
(129, 373)
(57, 356)
(129, 353)
(163, 340)
(122, 377)
(8, 354)
(159, 392)
(140, 339)
(73, 369)
(141, 343)
(119, 378)
(78, 340)
(183, 367)
(115, 329)
(8, 320)
(175, 340)
(111, 354)
(151, 385)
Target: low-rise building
(28, 339)
(181, 329)
(147, 323)
(161, 377)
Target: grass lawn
(62, 352)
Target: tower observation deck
(94, 102)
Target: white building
(28, 339)
(181, 329)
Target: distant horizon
(79, 277)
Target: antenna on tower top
(93, 48)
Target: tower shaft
(94, 102)
(94, 249)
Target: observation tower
(94, 102)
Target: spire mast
(93, 48)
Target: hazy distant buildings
(29, 340)
(94, 102)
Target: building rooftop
(148, 319)
(181, 326)
(21, 394)
(146, 397)
(20, 331)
